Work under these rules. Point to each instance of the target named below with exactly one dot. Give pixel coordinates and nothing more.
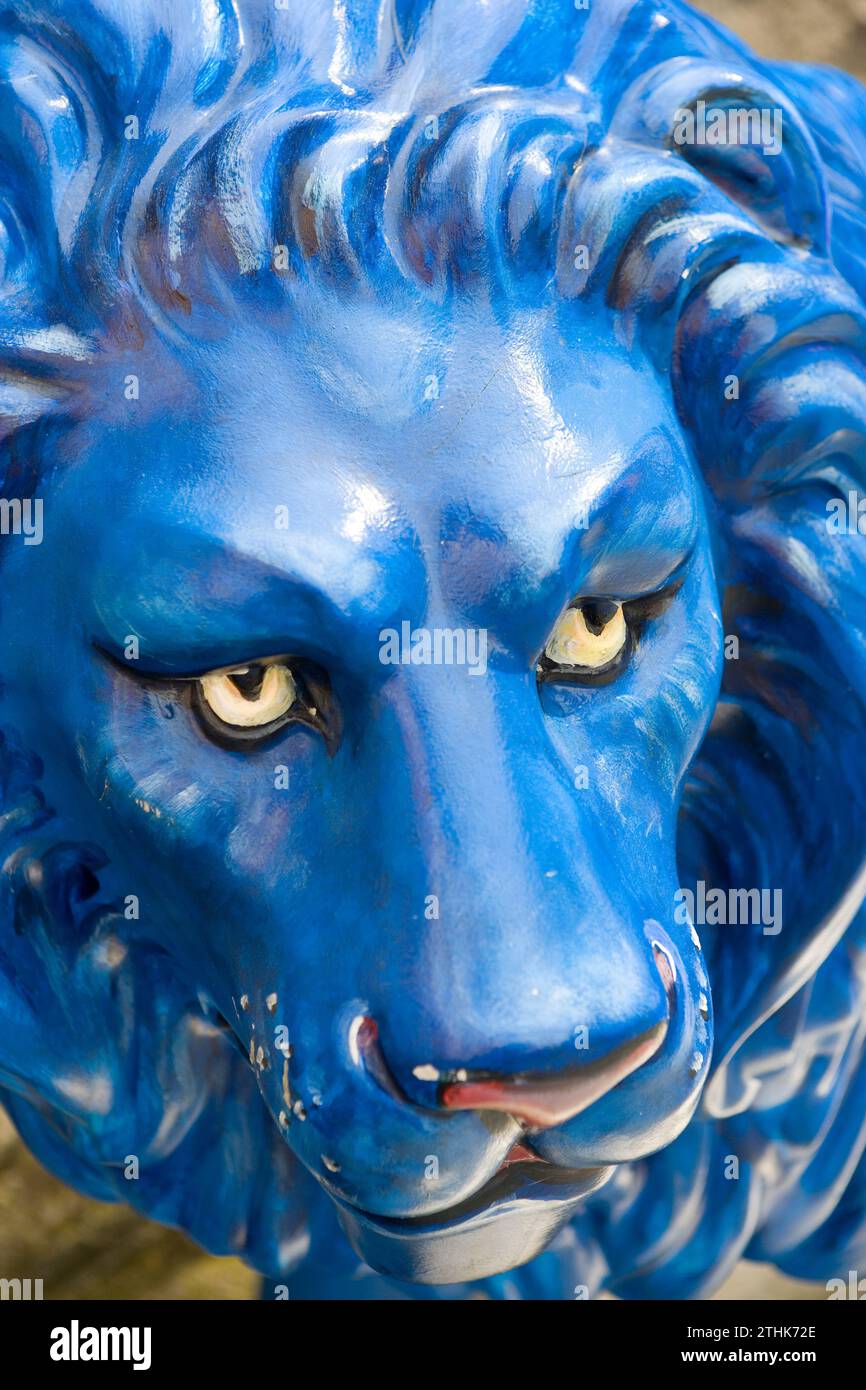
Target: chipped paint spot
(115, 952)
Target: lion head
(432, 682)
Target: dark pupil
(597, 613)
(250, 682)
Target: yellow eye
(590, 637)
(250, 696)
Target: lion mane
(157, 160)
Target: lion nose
(539, 1099)
(543, 1100)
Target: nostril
(366, 1050)
(668, 971)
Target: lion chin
(433, 839)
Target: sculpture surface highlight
(433, 680)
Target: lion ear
(743, 134)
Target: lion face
(431, 903)
(403, 397)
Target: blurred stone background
(803, 31)
(85, 1249)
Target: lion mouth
(522, 1177)
(509, 1220)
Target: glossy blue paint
(416, 312)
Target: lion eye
(589, 637)
(250, 696)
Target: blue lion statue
(434, 674)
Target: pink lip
(519, 1153)
(544, 1101)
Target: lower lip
(505, 1223)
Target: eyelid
(139, 667)
(641, 610)
(642, 607)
